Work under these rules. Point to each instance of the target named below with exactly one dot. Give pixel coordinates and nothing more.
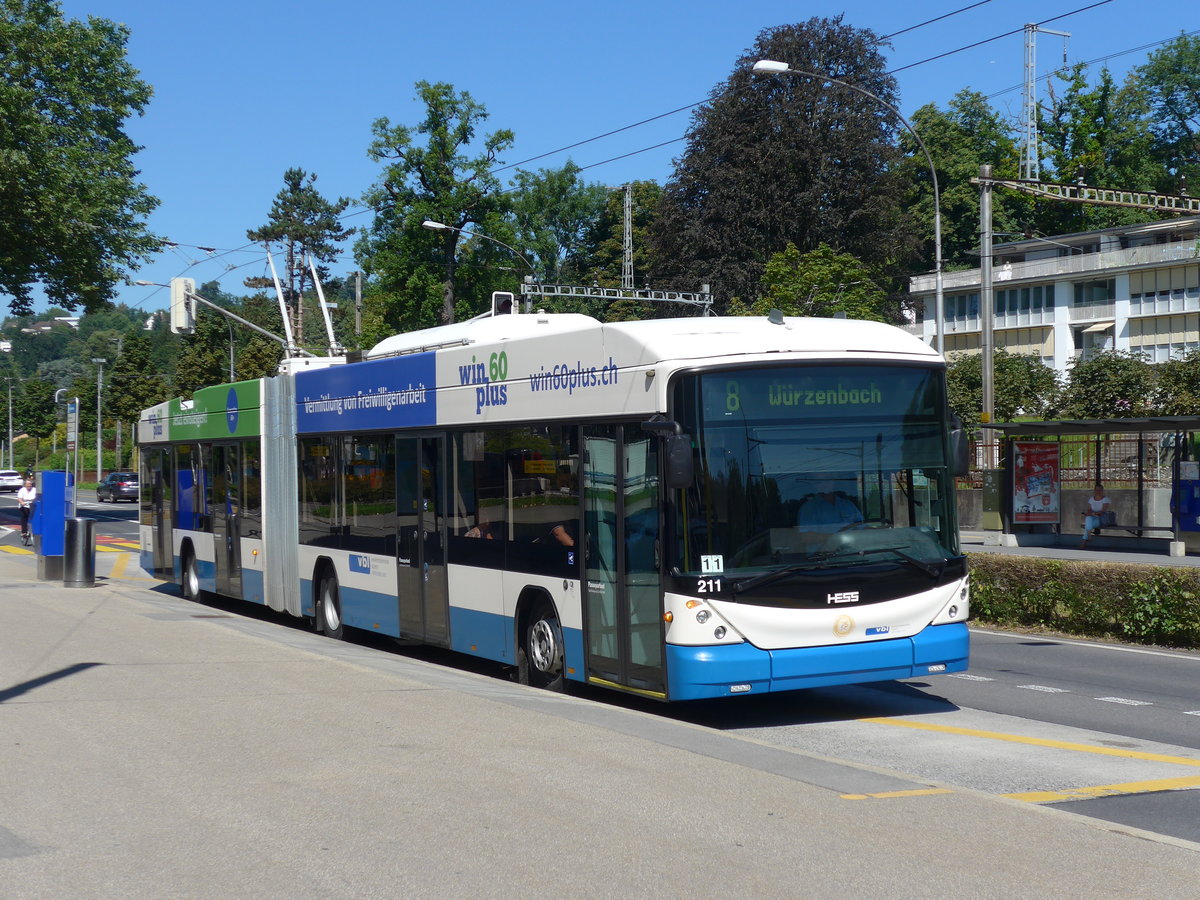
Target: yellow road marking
(887, 795)
(119, 564)
(24, 551)
(1038, 742)
(1108, 790)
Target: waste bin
(79, 553)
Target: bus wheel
(191, 577)
(329, 608)
(540, 660)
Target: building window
(1100, 291)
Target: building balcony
(1057, 268)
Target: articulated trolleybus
(683, 508)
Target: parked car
(118, 486)
(11, 480)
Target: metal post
(11, 464)
(357, 303)
(99, 422)
(986, 304)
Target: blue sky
(244, 90)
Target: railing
(1054, 267)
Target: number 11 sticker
(712, 565)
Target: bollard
(79, 553)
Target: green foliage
(1097, 134)
(553, 210)
(602, 254)
(1021, 385)
(1177, 385)
(74, 212)
(447, 179)
(1111, 384)
(1169, 84)
(968, 134)
(1147, 604)
(133, 384)
(786, 158)
(818, 283)
(308, 226)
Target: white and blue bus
(679, 508)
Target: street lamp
(439, 226)
(99, 361)
(771, 67)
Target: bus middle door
(226, 509)
(421, 539)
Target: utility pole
(99, 423)
(986, 304)
(357, 303)
(627, 243)
(1030, 156)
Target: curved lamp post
(771, 67)
(440, 226)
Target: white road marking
(1125, 701)
(1043, 688)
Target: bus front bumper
(729, 670)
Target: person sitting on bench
(1094, 516)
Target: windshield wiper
(821, 557)
(776, 574)
(933, 571)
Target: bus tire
(329, 607)
(540, 656)
(190, 576)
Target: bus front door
(421, 541)
(226, 507)
(156, 505)
(623, 588)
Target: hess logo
(842, 597)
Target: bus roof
(679, 338)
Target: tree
(35, 413)
(414, 271)
(74, 212)
(967, 135)
(1021, 385)
(1169, 84)
(1111, 384)
(134, 385)
(773, 159)
(602, 254)
(1097, 134)
(308, 226)
(818, 283)
(204, 359)
(1177, 385)
(553, 211)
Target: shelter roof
(1146, 425)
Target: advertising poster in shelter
(1035, 483)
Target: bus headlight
(703, 616)
(719, 632)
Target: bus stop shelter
(1038, 491)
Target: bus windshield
(814, 466)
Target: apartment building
(1133, 287)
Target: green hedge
(1139, 603)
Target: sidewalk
(154, 747)
(985, 542)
